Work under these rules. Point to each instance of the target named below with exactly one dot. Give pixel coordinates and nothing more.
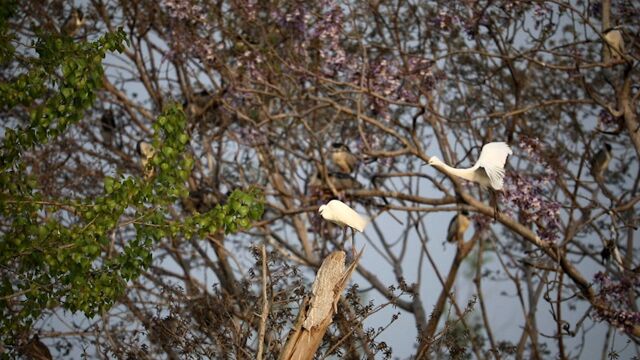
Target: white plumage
(341, 214)
(488, 170)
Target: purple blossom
(614, 296)
(480, 222)
(606, 121)
(526, 196)
(296, 20)
(328, 30)
(385, 80)
(187, 22)
(249, 7)
(251, 136)
(185, 11)
(421, 72)
(419, 66)
(532, 146)
(444, 19)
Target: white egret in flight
(488, 170)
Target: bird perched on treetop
(343, 158)
(458, 226)
(488, 170)
(614, 43)
(73, 23)
(600, 161)
(610, 250)
(341, 214)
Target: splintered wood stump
(314, 319)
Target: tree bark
(313, 322)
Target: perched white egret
(488, 170)
(614, 43)
(457, 227)
(73, 23)
(600, 161)
(343, 158)
(341, 214)
(146, 152)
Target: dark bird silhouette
(600, 161)
(36, 349)
(458, 226)
(73, 23)
(108, 126)
(340, 181)
(343, 158)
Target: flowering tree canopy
(152, 149)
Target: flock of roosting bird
(488, 172)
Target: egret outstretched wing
(492, 159)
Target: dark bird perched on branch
(600, 161)
(200, 102)
(488, 171)
(340, 181)
(199, 200)
(343, 158)
(36, 349)
(74, 22)
(458, 226)
(146, 152)
(108, 126)
(614, 43)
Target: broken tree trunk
(306, 335)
